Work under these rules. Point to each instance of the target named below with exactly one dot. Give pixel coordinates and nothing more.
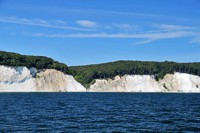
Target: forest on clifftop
(39, 62)
(87, 74)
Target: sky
(80, 32)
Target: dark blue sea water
(99, 112)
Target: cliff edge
(22, 79)
(177, 82)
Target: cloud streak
(148, 37)
(125, 26)
(111, 12)
(131, 14)
(37, 22)
(86, 23)
(167, 27)
(158, 32)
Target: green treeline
(87, 74)
(39, 62)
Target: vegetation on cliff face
(39, 62)
(86, 75)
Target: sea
(99, 112)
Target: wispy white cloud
(148, 37)
(158, 32)
(125, 26)
(86, 23)
(112, 12)
(135, 14)
(130, 14)
(37, 22)
(168, 27)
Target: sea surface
(99, 112)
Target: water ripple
(99, 112)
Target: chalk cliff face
(177, 82)
(22, 79)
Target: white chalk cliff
(177, 82)
(22, 79)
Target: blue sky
(79, 32)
